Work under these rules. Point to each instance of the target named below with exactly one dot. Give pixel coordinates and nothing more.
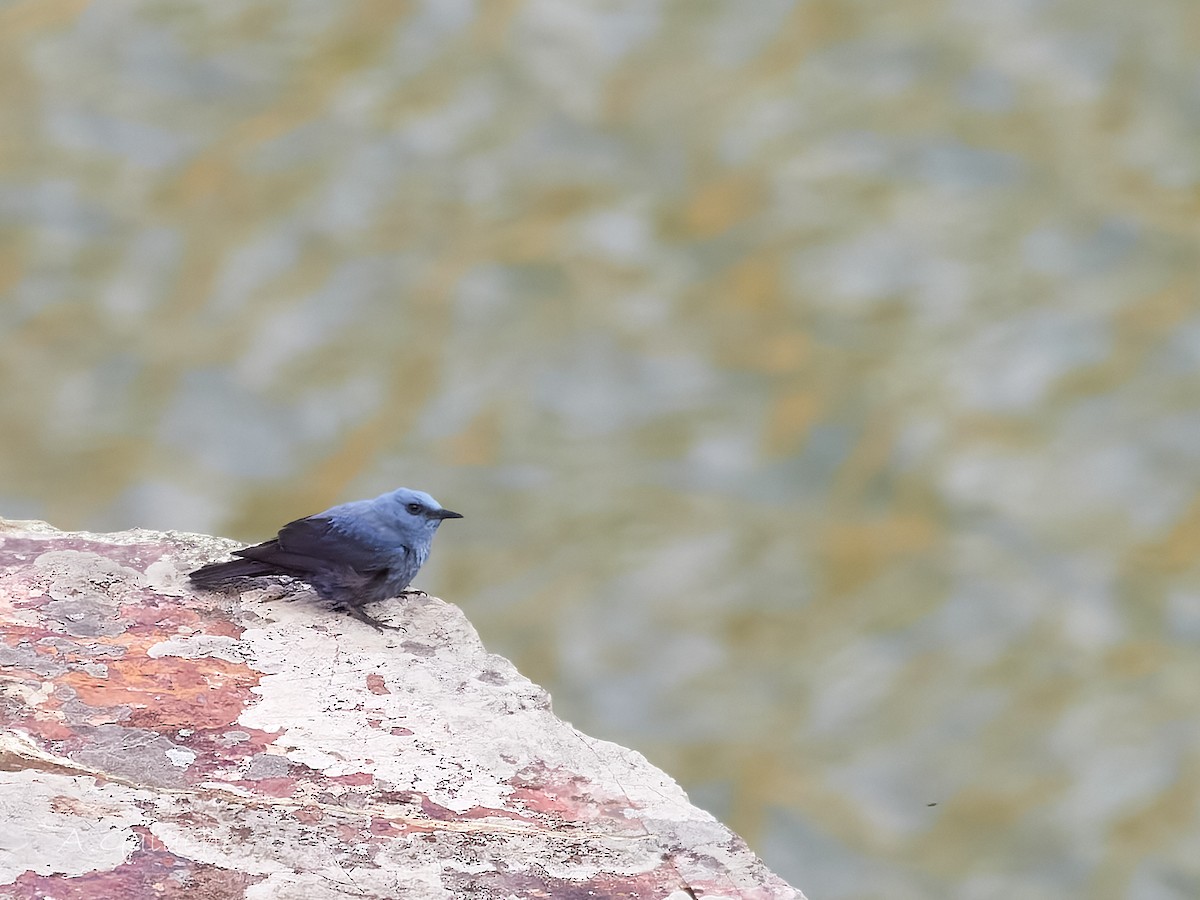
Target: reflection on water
(819, 383)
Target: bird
(353, 554)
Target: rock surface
(156, 741)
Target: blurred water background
(820, 380)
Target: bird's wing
(320, 540)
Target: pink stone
(135, 707)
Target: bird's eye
(414, 508)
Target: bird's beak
(446, 514)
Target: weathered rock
(156, 741)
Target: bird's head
(418, 510)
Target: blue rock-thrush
(353, 554)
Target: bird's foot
(413, 593)
(362, 615)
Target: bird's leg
(363, 616)
(413, 593)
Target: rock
(158, 741)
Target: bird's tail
(216, 575)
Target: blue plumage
(352, 554)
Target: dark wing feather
(313, 544)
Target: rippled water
(819, 379)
